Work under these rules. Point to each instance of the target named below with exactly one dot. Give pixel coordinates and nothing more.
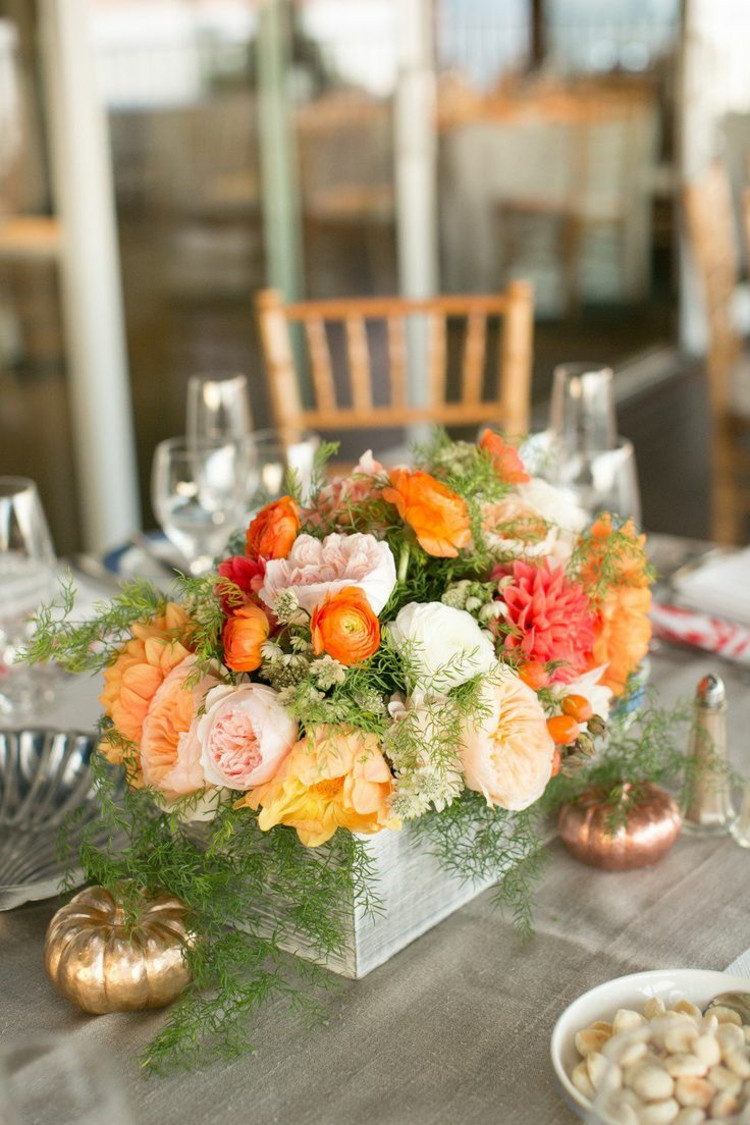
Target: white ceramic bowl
(600, 1003)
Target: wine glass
(603, 482)
(218, 407)
(582, 410)
(52, 1080)
(272, 454)
(27, 569)
(198, 492)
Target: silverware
(738, 1002)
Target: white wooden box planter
(415, 894)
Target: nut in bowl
(592, 1021)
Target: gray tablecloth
(456, 1028)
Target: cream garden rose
(506, 749)
(535, 521)
(316, 568)
(444, 646)
(245, 734)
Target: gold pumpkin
(104, 962)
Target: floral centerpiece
(418, 650)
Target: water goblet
(218, 407)
(27, 569)
(198, 492)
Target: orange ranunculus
(622, 628)
(336, 777)
(138, 671)
(505, 460)
(345, 626)
(274, 529)
(244, 633)
(437, 515)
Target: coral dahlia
(553, 617)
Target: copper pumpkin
(105, 962)
(653, 824)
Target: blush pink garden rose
(169, 747)
(506, 750)
(245, 735)
(316, 569)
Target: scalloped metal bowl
(44, 775)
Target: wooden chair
(712, 236)
(508, 401)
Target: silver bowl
(44, 776)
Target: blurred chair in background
(713, 241)
(365, 399)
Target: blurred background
(352, 147)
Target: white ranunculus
(556, 505)
(316, 568)
(444, 646)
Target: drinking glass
(218, 407)
(272, 454)
(198, 491)
(54, 1080)
(582, 411)
(27, 570)
(603, 482)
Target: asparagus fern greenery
(398, 647)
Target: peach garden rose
(140, 668)
(244, 735)
(170, 751)
(506, 749)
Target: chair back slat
(437, 362)
(508, 401)
(515, 357)
(397, 359)
(359, 361)
(320, 362)
(474, 357)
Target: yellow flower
(333, 778)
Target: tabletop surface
(456, 1027)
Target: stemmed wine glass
(198, 492)
(27, 569)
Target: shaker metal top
(711, 691)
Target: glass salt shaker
(709, 810)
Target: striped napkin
(727, 639)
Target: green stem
(403, 563)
